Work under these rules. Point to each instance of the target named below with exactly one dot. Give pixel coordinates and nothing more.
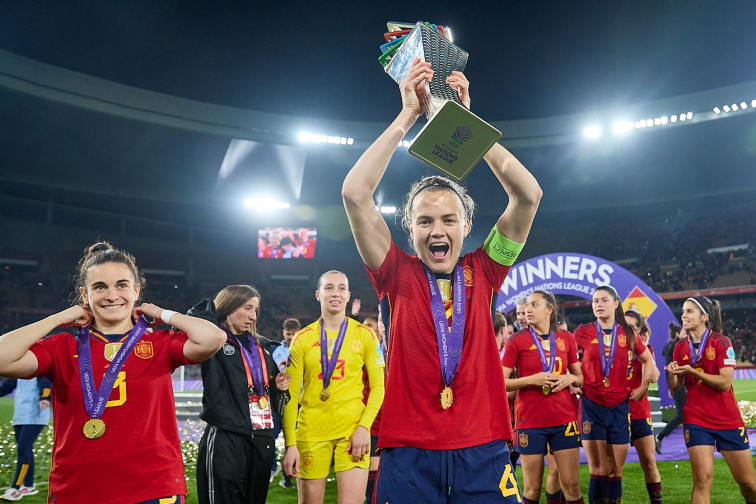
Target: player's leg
(553, 489)
(736, 450)
(314, 464)
(645, 446)
(702, 466)
(351, 476)
(532, 476)
(568, 462)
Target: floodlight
(717, 111)
(592, 131)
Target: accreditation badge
(260, 412)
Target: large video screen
(286, 243)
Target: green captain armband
(501, 249)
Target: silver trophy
(454, 139)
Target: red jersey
(412, 414)
(593, 375)
(139, 456)
(639, 410)
(533, 409)
(704, 405)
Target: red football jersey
(593, 385)
(704, 405)
(412, 414)
(639, 410)
(139, 456)
(533, 409)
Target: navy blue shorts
(173, 499)
(641, 428)
(374, 446)
(731, 439)
(481, 474)
(605, 424)
(534, 441)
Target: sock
(579, 501)
(655, 492)
(370, 490)
(525, 500)
(614, 490)
(555, 498)
(594, 489)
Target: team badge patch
(522, 439)
(380, 360)
(711, 354)
(144, 350)
(586, 427)
(229, 349)
(560, 344)
(687, 436)
(622, 340)
(307, 462)
(356, 346)
(111, 349)
(467, 271)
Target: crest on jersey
(356, 346)
(560, 344)
(622, 340)
(467, 272)
(711, 354)
(687, 436)
(522, 439)
(229, 349)
(586, 427)
(111, 349)
(144, 350)
(307, 462)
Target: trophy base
(454, 141)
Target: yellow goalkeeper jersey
(309, 418)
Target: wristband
(501, 249)
(166, 315)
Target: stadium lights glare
(726, 108)
(734, 107)
(673, 119)
(743, 105)
(753, 103)
(403, 143)
(386, 209)
(717, 111)
(324, 139)
(622, 127)
(265, 204)
(592, 131)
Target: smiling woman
(94, 415)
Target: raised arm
(368, 227)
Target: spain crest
(622, 340)
(687, 436)
(356, 346)
(586, 427)
(144, 350)
(560, 344)
(522, 439)
(307, 462)
(467, 272)
(711, 354)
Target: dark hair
(291, 324)
(231, 298)
(435, 183)
(619, 314)
(712, 309)
(101, 253)
(287, 241)
(644, 329)
(674, 330)
(499, 321)
(551, 301)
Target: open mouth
(439, 250)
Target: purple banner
(578, 275)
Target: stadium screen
(286, 243)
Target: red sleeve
(511, 354)
(572, 357)
(680, 353)
(640, 347)
(380, 277)
(178, 340)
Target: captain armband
(501, 249)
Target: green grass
(676, 478)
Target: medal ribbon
(96, 399)
(606, 362)
(254, 366)
(327, 367)
(449, 339)
(547, 366)
(695, 356)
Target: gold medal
(324, 394)
(447, 397)
(263, 402)
(546, 390)
(94, 428)
(606, 381)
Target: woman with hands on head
(705, 360)
(458, 400)
(545, 411)
(116, 438)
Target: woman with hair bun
(705, 361)
(608, 346)
(116, 438)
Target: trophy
(453, 139)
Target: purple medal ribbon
(254, 363)
(606, 362)
(695, 356)
(547, 365)
(95, 400)
(327, 367)
(449, 339)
